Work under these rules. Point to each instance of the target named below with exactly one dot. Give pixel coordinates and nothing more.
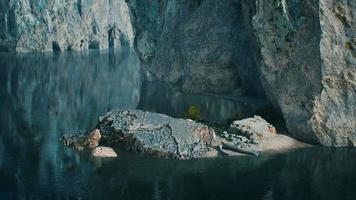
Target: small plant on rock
(193, 113)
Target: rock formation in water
(58, 25)
(303, 52)
(158, 135)
(148, 133)
(307, 48)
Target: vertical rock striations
(202, 45)
(58, 25)
(309, 66)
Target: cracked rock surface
(155, 134)
(309, 66)
(255, 128)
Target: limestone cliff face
(202, 45)
(58, 25)
(309, 66)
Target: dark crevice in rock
(56, 46)
(95, 27)
(81, 43)
(79, 7)
(11, 22)
(94, 45)
(111, 37)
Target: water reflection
(45, 95)
(158, 97)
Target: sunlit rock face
(309, 66)
(203, 45)
(59, 25)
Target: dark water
(45, 95)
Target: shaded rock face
(203, 46)
(309, 66)
(155, 134)
(58, 25)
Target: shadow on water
(46, 95)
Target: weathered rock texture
(308, 56)
(255, 128)
(309, 66)
(103, 152)
(202, 45)
(82, 142)
(155, 134)
(33, 25)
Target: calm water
(45, 95)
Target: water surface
(46, 95)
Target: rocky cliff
(203, 45)
(302, 51)
(309, 66)
(58, 25)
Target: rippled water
(46, 95)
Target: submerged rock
(103, 152)
(156, 134)
(255, 128)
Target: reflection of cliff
(214, 108)
(44, 96)
(70, 86)
(319, 173)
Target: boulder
(82, 142)
(103, 152)
(156, 134)
(255, 128)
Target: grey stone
(58, 25)
(309, 66)
(254, 128)
(204, 46)
(82, 142)
(103, 152)
(156, 134)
